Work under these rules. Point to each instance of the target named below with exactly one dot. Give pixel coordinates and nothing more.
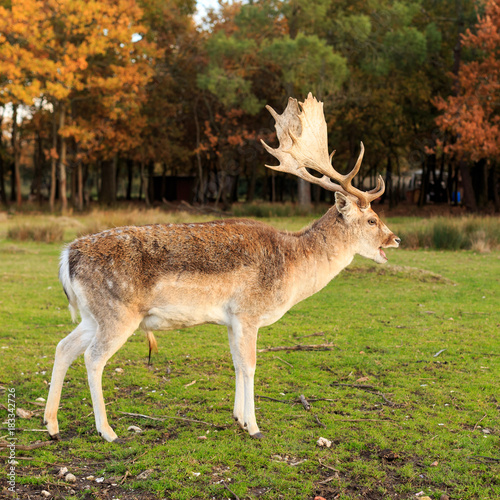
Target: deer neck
(327, 247)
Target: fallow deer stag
(239, 273)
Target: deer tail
(153, 345)
(65, 279)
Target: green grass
(387, 323)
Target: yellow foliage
(62, 50)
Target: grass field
(408, 395)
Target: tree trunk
(130, 179)
(397, 194)
(163, 181)
(496, 185)
(79, 184)
(13, 164)
(424, 186)
(141, 184)
(16, 185)
(150, 189)
(3, 194)
(62, 162)
(116, 159)
(469, 197)
(265, 186)
(53, 163)
(108, 182)
(484, 198)
(304, 192)
(252, 182)
(36, 183)
(389, 191)
(86, 192)
(201, 184)
(449, 184)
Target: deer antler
(304, 144)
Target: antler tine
(347, 180)
(303, 142)
(287, 165)
(377, 191)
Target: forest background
(104, 100)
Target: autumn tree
(80, 57)
(18, 87)
(472, 116)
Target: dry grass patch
(50, 233)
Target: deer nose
(397, 240)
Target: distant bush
(51, 233)
(481, 234)
(448, 236)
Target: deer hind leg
(67, 351)
(239, 398)
(111, 335)
(243, 343)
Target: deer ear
(344, 205)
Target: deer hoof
(258, 435)
(118, 441)
(55, 437)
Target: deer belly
(173, 316)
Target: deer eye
(372, 222)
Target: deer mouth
(382, 253)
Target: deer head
(304, 146)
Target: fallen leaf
(363, 379)
(145, 474)
(23, 413)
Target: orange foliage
(80, 54)
(473, 115)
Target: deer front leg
(67, 351)
(243, 349)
